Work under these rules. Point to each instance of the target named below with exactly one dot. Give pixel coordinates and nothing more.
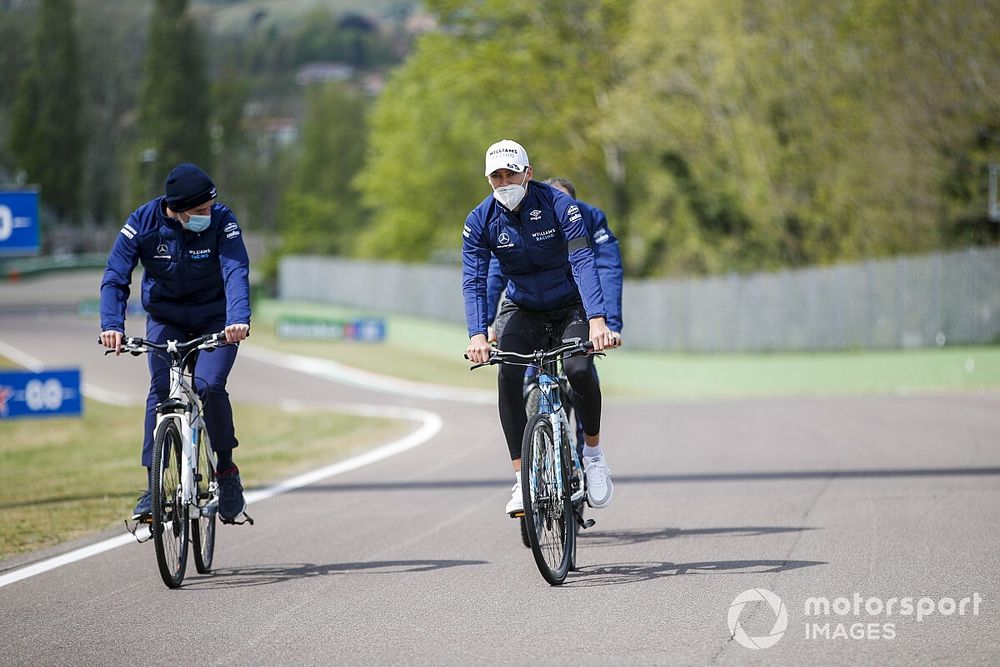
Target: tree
(534, 71)
(46, 137)
(174, 99)
(320, 212)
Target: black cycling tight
(524, 331)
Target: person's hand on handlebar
(479, 349)
(236, 332)
(112, 340)
(601, 335)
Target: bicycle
(532, 399)
(553, 484)
(185, 490)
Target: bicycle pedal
(517, 515)
(246, 519)
(138, 532)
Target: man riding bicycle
(537, 234)
(607, 255)
(195, 282)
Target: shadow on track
(604, 538)
(631, 573)
(261, 575)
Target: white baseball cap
(506, 154)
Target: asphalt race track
(873, 503)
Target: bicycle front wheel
(170, 520)
(203, 525)
(548, 514)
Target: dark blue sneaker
(231, 500)
(144, 507)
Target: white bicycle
(185, 489)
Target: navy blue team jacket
(542, 250)
(607, 254)
(190, 279)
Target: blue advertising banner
(366, 330)
(19, 233)
(44, 394)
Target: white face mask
(511, 195)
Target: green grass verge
(64, 478)
(431, 351)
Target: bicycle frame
(551, 404)
(185, 407)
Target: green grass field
(431, 351)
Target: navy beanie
(188, 186)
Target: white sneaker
(599, 486)
(516, 503)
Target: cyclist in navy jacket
(195, 282)
(607, 255)
(537, 234)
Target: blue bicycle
(553, 483)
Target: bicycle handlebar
(571, 348)
(136, 346)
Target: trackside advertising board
(19, 231)
(49, 393)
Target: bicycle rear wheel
(548, 514)
(203, 526)
(170, 520)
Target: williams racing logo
(200, 254)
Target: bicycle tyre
(548, 514)
(531, 404)
(203, 527)
(524, 532)
(170, 521)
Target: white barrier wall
(940, 299)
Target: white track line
(21, 358)
(337, 372)
(430, 425)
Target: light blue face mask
(198, 223)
